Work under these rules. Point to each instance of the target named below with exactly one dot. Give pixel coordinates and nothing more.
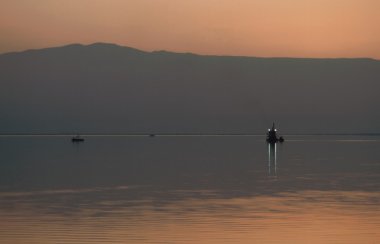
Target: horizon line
(187, 134)
(175, 52)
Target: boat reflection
(272, 159)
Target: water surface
(189, 189)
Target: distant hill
(105, 88)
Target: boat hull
(77, 139)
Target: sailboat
(272, 135)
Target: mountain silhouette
(106, 88)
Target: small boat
(77, 138)
(272, 135)
(152, 135)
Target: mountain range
(106, 88)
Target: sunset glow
(296, 28)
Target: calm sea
(189, 189)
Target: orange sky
(296, 28)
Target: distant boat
(152, 135)
(272, 135)
(77, 138)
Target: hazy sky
(297, 28)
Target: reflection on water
(190, 190)
(200, 217)
(272, 159)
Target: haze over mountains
(105, 88)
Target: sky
(265, 28)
